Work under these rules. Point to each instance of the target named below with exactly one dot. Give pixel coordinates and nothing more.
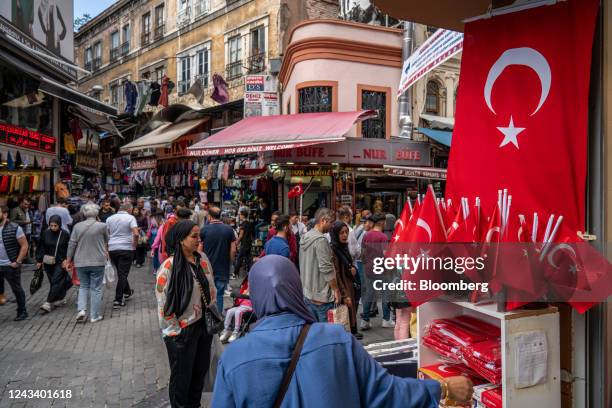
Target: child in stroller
(242, 309)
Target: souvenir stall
(526, 345)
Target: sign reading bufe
(27, 139)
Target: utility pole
(405, 100)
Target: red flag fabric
(516, 90)
(428, 224)
(401, 223)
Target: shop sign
(143, 164)
(178, 147)
(438, 48)
(357, 151)
(34, 30)
(88, 151)
(429, 173)
(260, 96)
(27, 139)
(346, 199)
(311, 172)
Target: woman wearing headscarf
(183, 289)
(333, 369)
(346, 273)
(143, 228)
(50, 254)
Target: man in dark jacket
(13, 250)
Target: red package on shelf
(442, 370)
(438, 345)
(486, 370)
(488, 351)
(486, 329)
(492, 398)
(455, 333)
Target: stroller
(241, 297)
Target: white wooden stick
(409, 205)
(534, 229)
(503, 209)
(551, 238)
(548, 227)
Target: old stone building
(188, 40)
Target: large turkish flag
(522, 110)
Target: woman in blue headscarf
(333, 369)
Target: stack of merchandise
(399, 357)
(467, 340)
(441, 371)
(487, 396)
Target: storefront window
(22, 104)
(315, 99)
(376, 127)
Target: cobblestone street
(118, 362)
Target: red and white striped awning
(258, 134)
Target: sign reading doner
(438, 48)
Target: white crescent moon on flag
(520, 56)
(399, 221)
(559, 247)
(490, 233)
(423, 224)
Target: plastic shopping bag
(110, 275)
(340, 315)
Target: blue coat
(334, 371)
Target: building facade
(187, 40)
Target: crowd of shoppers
(306, 268)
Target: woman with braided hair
(184, 287)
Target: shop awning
(163, 136)
(439, 122)
(278, 132)
(440, 136)
(57, 89)
(68, 94)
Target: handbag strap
(297, 351)
(57, 243)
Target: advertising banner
(260, 97)
(438, 48)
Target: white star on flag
(510, 134)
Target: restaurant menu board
(27, 139)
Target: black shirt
(218, 238)
(247, 235)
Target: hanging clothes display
(144, 92)
(131, 94)
(155, 94)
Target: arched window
(432, 101)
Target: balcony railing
(114, 54)
(97, 63)
(125, 48)
(257, 63)
(145, 38)
(228, 2)
(88, 66)
(201, 7)
(159, 31)
(184, 16)
(233, 70)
